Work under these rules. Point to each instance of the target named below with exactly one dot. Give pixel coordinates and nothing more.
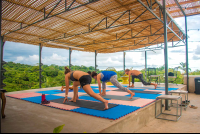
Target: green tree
(183, 67)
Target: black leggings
(140, 77)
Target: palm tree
(183, 67)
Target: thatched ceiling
(106, 26)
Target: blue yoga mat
(38, 99)
(146, 96)
(112, 113)
(115, 86)
(157, 88)
(49, 92)
(94, 86)
(136, 89)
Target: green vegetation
(58, 129)
(22, 77)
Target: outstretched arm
(67, 88)
(99, 82)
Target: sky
(29, 54)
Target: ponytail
(89, 73)
(67, 70)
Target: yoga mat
(146, 96)
(95, 91)
(138, 91)
(116, 87)
(85, 104)
(145, 87)
(117, 97)
(132, 88)
(94, 86)
(137, 103)
(112, 113)
(157, 88)
(70, 90)
(38, 99)
(49, 92)
(63, 91)
(24, 95)
(90, 98)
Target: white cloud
(195, 57)
(197, 50)
(34, 58)
(55, 59)
(19, 59)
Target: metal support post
(95, 63)
(70, 52)
(1, 77)
(145, 65)
(40, 64)
(0, 58)
(186, 49)
(124, 53)
(165, 53)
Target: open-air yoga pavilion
(98, 26)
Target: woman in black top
(83, 79)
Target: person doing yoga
(84, 79)
(106, 76)
(71, 88)
(139, 75)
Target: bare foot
(103, 94)
(132, 95)
(72, 100)
(156, 85)
(106, 105)
(132, 86)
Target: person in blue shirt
(109, 76)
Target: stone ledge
(191, 82)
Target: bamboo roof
(190, 7)
(104, 26)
